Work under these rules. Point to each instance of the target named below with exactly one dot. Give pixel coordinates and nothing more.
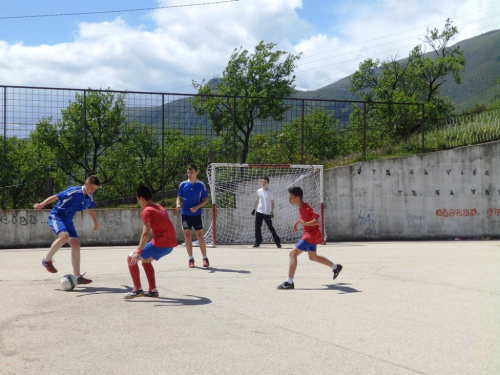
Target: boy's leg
(150, 273)
(292, 266)
(188, 242)
(276, 238)
(201, 241)
(258, 228)
(61, 239)
(135, 273)
(320, 259)
(75, 255)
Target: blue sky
(164, 49)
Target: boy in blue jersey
(71, 200)
(193, 195)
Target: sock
(191, 258)
(135, 273)
(334, 267)
(289, 280)
(205, 257)
(150, 274)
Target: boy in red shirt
(312, 237)
(154, 219)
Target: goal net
(234, 193)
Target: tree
(102, 124)
(416, 79)
(251, 90)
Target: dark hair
(93, 180)
(193, 166)
(144, 191)
(265, 178)
(297, 191)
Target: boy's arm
(92, 215)
(178, 204)
(39, 206)
(146, 231)
(201, 204)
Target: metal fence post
(423, 128)
(162, 147)
(364, 131)
(234, 129)
(302, 134)
(4, 179)
(85, 160)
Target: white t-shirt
(265, 198)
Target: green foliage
(259, 81)
(414, 80)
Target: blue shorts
(58, 225)
(305, 246)
(151, 251)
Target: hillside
(482, 69)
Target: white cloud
(196, 42)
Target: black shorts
(189, 222)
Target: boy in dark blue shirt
(71, 200)
(193, 194)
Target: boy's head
(91, 184)
(265, 181)
(295, 195)
(144, 195)
(192, 171)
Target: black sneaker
(278, 245)
(256, 245)
(286, 285)
(134, 293)
(153, 293)
(336, 271)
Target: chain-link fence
(52, 138)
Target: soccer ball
(68, 282)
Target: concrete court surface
(396, 308)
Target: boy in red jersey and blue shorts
(312, 237)
(154, 219)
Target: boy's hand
(96, 226)
(135, 258)
(253, 212)
(272, 215)
(37, 206)
(178, 208)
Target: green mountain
(479, 77)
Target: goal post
(233, 189)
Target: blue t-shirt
(192, 195)
(71, 201)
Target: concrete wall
(440, 195)
(29, 228)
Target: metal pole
(364, 131)
(4, 180)
(423, 128)
(162, 147)
(234, 129)
(302, 134)
(85, 161)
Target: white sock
(289, 280)
(205, 257)
(334, 267)
(191, 258)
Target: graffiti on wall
(15, 219)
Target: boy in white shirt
(263, 211)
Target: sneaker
(336, 271)
(206, 263)
(152, 293)
(48, 265)
(82, 280)
(286, 285)
(191, 263)
(256, 245)
(278, 246)
(133, 294)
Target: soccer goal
(234, 192)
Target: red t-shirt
(161, 226)
(312, 234)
